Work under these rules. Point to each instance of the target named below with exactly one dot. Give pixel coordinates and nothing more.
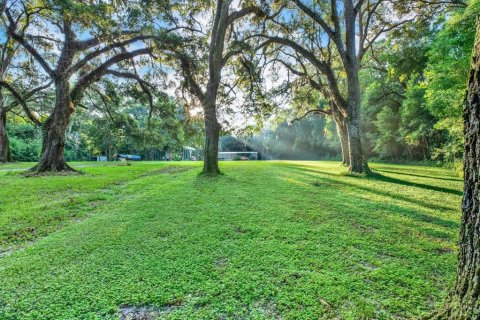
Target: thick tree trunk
(54, 131)
(463, 302)
(212, 132)
(358, 161)
(343, 137)
(5, 155)
(215, 65)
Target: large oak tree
(201, 63)
(76, 45)
(333, 37)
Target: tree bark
(342, 128)
(358, 161)
(212, 133)
(5, 155)
(343, 137)
(54, 131)
(463, 301)
(215, 65)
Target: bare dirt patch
(129, 312)
(168, 170)
(173, 169)
(444, 250)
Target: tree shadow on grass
(376, 191)
(404, 211)
(381, 177)
(419, 175)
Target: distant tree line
(114, 123)
(414, 88)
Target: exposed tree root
(60, 170)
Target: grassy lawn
(267, 240)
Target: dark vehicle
(130, 157)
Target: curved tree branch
(143, 84)
(97, 73)
(21, 39)
(322, 66)
(242, 13)
(21, 101)
(333, 34)
(317, 111)
(88, 57)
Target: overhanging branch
(24, 43)
(88, 57)
(21, 101)
(101, 70)
(143, 84)
(317, 111)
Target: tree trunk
(358, 161)
(215, 65)
(343, 137)
(463, 301)
(212, 132)
(54, 131)
(5, 155)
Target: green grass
(266, 240)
